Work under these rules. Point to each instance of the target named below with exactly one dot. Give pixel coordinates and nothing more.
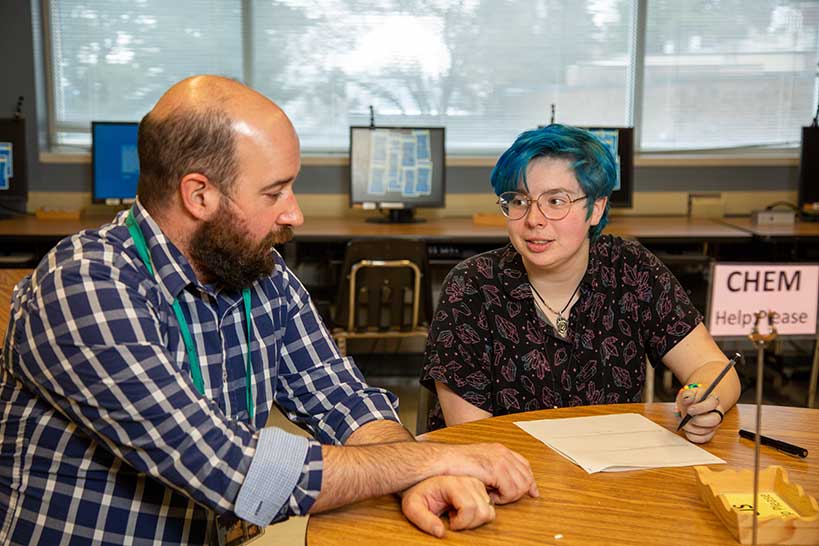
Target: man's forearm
(382, 431)
(354, 473)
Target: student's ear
(199, 196)
(598, 209)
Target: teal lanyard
(193, 357)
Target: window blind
(487, 70)
(112, 59)
(725, 74)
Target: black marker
(784, 447)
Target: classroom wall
(69, 184)
(17, 72)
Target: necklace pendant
(562, 326)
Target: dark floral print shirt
(490, 346)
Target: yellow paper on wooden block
(770, 504)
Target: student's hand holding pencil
(698, 405)
(706, 415)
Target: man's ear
(199, 196)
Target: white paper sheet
(617, 443)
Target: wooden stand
(760, 341)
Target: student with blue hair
(565, 315)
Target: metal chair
(426, 403)
(385, 291)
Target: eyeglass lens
(554, 206)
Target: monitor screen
(620, 140)
(115, 162)
(397, 167)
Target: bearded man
(142, 359)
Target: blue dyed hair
(589, 159)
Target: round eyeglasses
(554, 206)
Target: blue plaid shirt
(104, 438)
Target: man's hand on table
(506, 474)
(464, 498)
(474, 478)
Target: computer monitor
(115, 162)
(13, 167)
(808, 181)
(620, 140)
(397, 169)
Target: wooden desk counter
(646, 507)
(465, 230)
(26, 227)
(672, 228)
(434, 229)
(797, 230)
(442, 230)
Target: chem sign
(739, 291)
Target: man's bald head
(199, 93)
(192, 128)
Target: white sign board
(739, 291)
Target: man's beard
(221, 249)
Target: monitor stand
(396, 216)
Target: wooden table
(651, 507)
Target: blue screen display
(116, 163)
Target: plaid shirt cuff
(275, 476)
(309, 486)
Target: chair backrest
(8, 278)
(387, 291)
